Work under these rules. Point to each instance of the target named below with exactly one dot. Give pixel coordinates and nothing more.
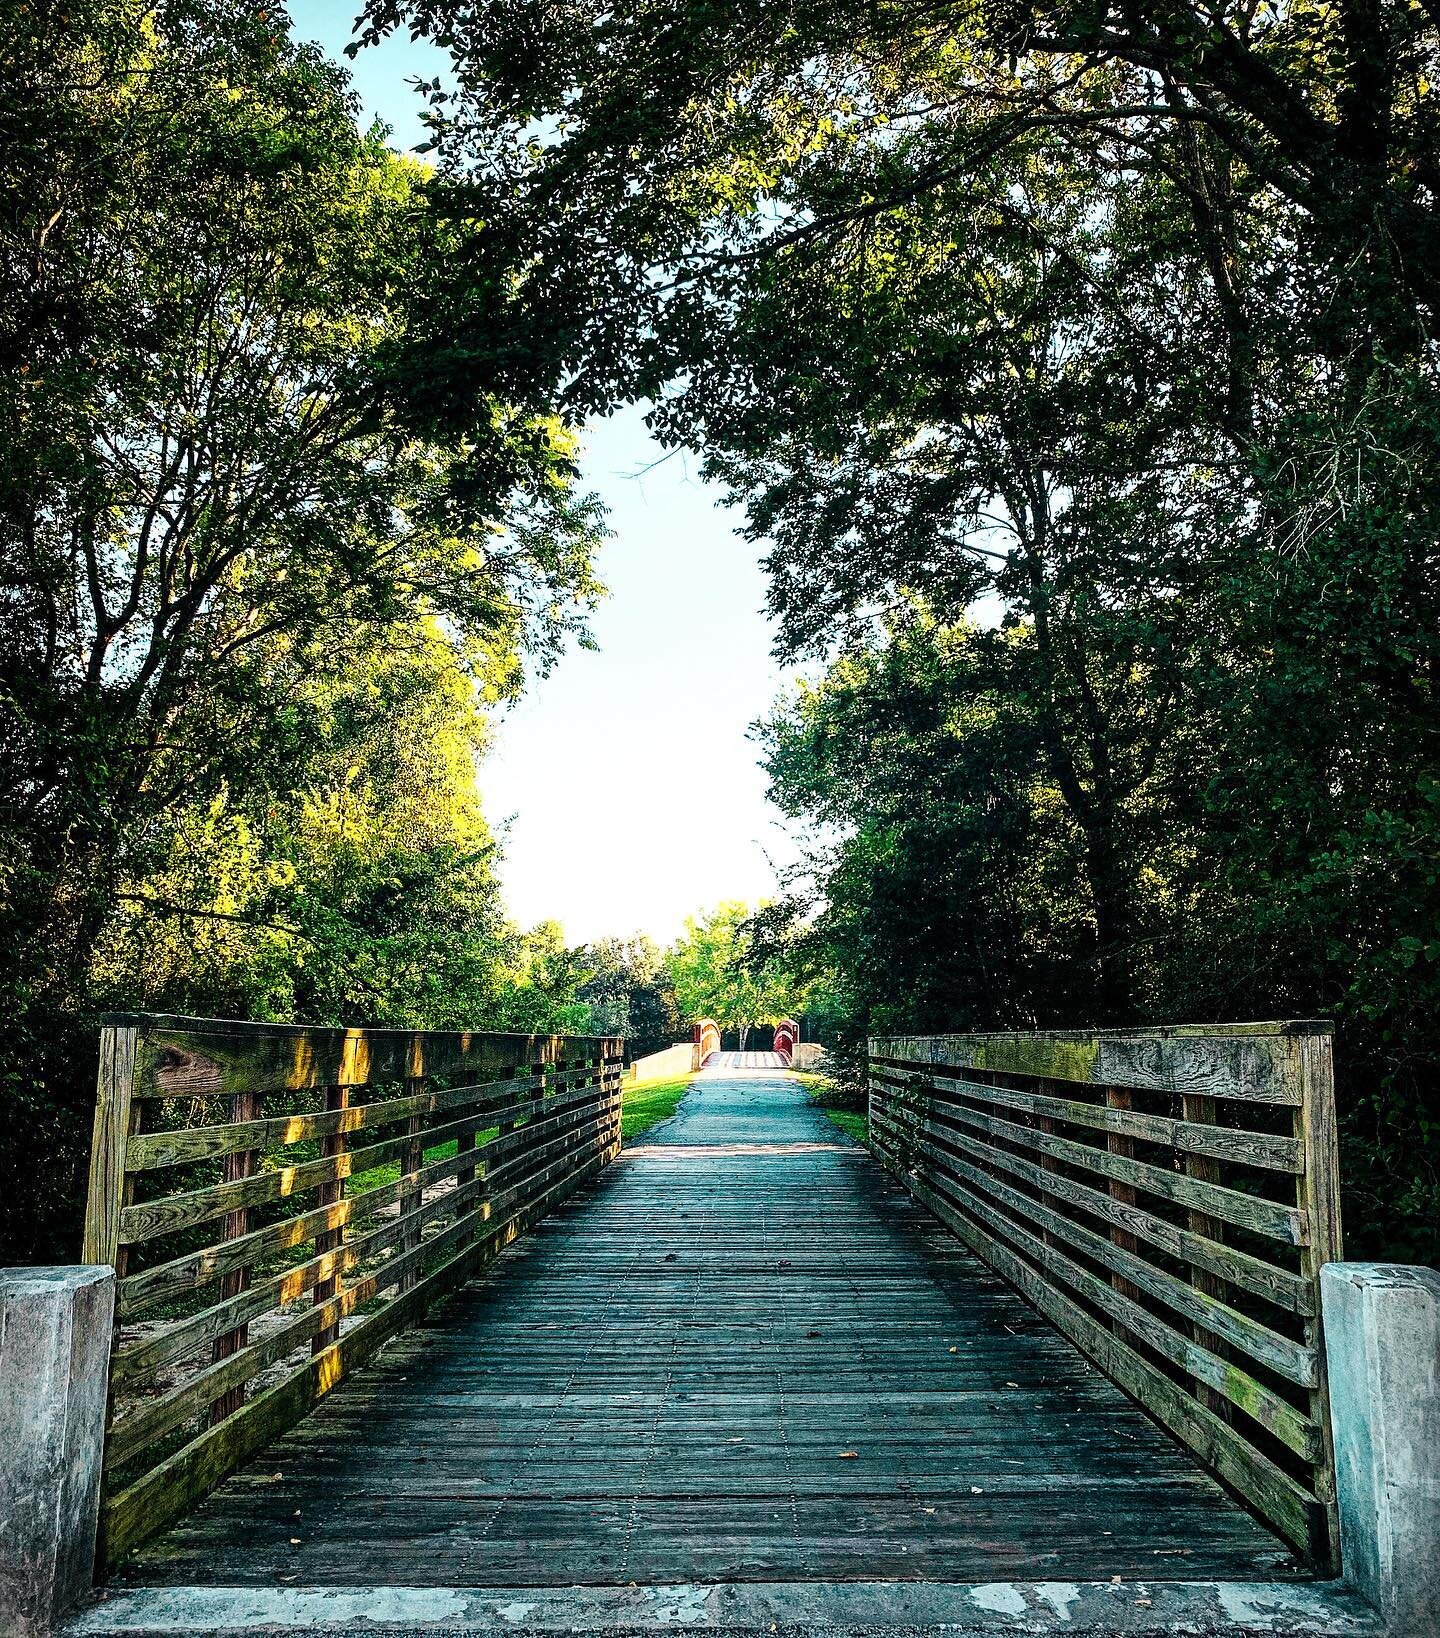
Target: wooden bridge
(1059, 1325)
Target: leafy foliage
(1076, 365)
(268, 551)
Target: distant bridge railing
(279, 1201)
(1166, 1198)
(707, 1040)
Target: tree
(1206, 412)
(714, 979)
(245, 458)
(629, 993)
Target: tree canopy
(1074, 367)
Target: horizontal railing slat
(1261, 1279)
(1259, 1216)
(1292, 1509)
(1170, 1218)
(530, 1117)
(175, 1484)
(1251, 1066)
(149, 1219)
(1249, 1396)
(1291, 1360)
(1261, 1149)
(149, 1151)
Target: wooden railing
(1166, 1198)
(279, 1201)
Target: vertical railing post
(243, 1106)
(412, 1160)
(1124, 1194)
(117, 1115)
(354, 1062)
(1318, 1196)
(114, 1112)
(1201, 1109)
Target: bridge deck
(742, 1354)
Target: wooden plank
(333, 1147)
(1250, 1063)
(1201, 1110)
(136, 1362)
(172, 1487)
(155, 1418)
(152, 1419)
(1190, 1137)
(149, 1151)
(411, 1163)
(1287, 1506)
(1232, 1385)
(245, 1106)
(1118, 1099)
(1269, 1218)
(1290, 1359)
(148, 1286)
(149, 1220)
(1318, 1196)
(114, 1088)
(1279, 1286)
(189, 1055)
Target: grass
(644, 1104)
(836, 1106)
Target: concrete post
(1382, 1340)
(55, 1326)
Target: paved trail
(743, 1354)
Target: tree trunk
(1110, 895)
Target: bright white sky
(633, 794)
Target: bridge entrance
(743, 1353)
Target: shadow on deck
(742, 1355)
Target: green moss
(1040, 1055)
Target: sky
(628, 790)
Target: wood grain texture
(1250, 1063)
(526, 1118)
(740, 1351)
(1015, 1187)
(114, 1092)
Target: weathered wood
(1016, 1186)
(173, 1486)
(143, 1289)
(533, 1127)
(1230, 1384)
(682, 1379)
(1289, 1508)
(137, 1362)
(1292, 1360)
(1318, 1196)
(194, 1055)
(1189, 1137)
(1251, 1064)
(150, 1219)
(1201, 1165)
(149, 1151)
(114, 1089)
(1279, 1286)
(244, 1107)
(1270, 1218)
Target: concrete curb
(987, 1610)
